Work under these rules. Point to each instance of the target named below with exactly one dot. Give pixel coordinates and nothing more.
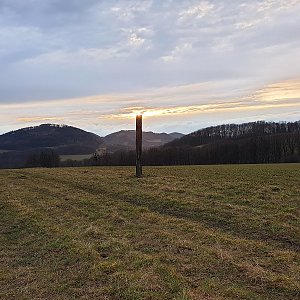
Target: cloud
(284, 91)
(136, 41)
(144, 53)
(178, 52)
(198, 11)
(128, 10)
(283, 94)
(118, 110)
(39, 119)
(78, 57)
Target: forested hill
(257, 142)
(234, 132)
(58, 137)
(26, 146)
(125, 139)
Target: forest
(248, 143)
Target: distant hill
(125, 139)
(176, 135)
(254, 142)
(248, 143)
(64, 139)
(16, 147)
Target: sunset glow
(183, 65)
(278, 98)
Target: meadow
(75, 157)
(190, 232)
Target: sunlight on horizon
(203, 102)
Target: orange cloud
(116, 109)
(39, 119)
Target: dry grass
(207, 232)
(76, 157)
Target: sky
(185, 65)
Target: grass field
(205, 232)
(75, 157)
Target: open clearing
(75, 157)
(195, 232)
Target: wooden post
(139, 137)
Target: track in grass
(203, 232)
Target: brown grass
(206, 232)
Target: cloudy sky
(185, 64)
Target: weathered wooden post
(139, 137)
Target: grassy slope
(207, 232)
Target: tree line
(256, 142)
(266, 149)
(44, 159)
(250, 143)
